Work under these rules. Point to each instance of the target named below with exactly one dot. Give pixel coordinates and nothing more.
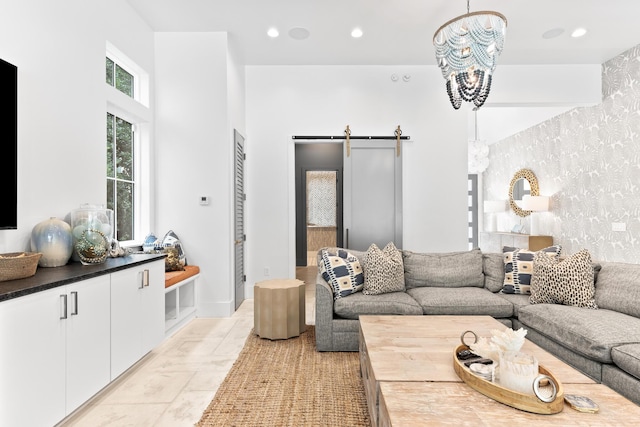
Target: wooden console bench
(179, 297)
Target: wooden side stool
(279, 308)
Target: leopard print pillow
(568, 282)
(383, 270)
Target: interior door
(372, 194)
(240, 237)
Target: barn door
(372, 194)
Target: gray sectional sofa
(604, 343)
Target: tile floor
(174, 383)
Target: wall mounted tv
(8, 146)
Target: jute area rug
(289, 383)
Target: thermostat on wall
(204, 200)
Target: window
(128, 121)
(119, 78)
(120, 175)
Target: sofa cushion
(518, 267)
(627, 358)
(383, 270)
(355, 305)
(461, 301)
(445, 270)
(568, 282)
(493, 269)
(342, 271)
(591, 333)
(518, 300)
(618, 288)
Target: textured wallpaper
(321, 198)
(588, 161)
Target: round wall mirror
(524, 182)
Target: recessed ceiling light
(550, 34)
(273, 32)
(356, 33)
(299, 33)
(579, 32)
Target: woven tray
(18, 265)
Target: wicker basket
(18, 265)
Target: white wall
(194, 157)
(61, 108)
(128, 32)
(314, 100)
(59, 49)
(236, 89)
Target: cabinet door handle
(74, 295)
(63, 306)
(145, 278)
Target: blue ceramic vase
(52, 238)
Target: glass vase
(92, 227)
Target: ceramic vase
(54, 240)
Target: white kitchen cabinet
(137, 315)
(88, 339)
(54, 351)
(32, 359)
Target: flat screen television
(8, 146)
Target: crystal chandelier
(467, 48)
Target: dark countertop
(52, 277)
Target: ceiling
(400, 31)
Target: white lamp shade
(491, 206)
(535, 203)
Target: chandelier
(467, 48)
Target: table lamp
(492, 207)
(535, 204)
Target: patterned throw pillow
(518, 267)
(342, 271)
(568, 282)
(383, 270)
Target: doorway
(319, 172)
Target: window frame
(134, 178)
(136, 111)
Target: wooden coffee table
(408, 376)
(410, 404)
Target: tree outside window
(120, 175)
(119, 78)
